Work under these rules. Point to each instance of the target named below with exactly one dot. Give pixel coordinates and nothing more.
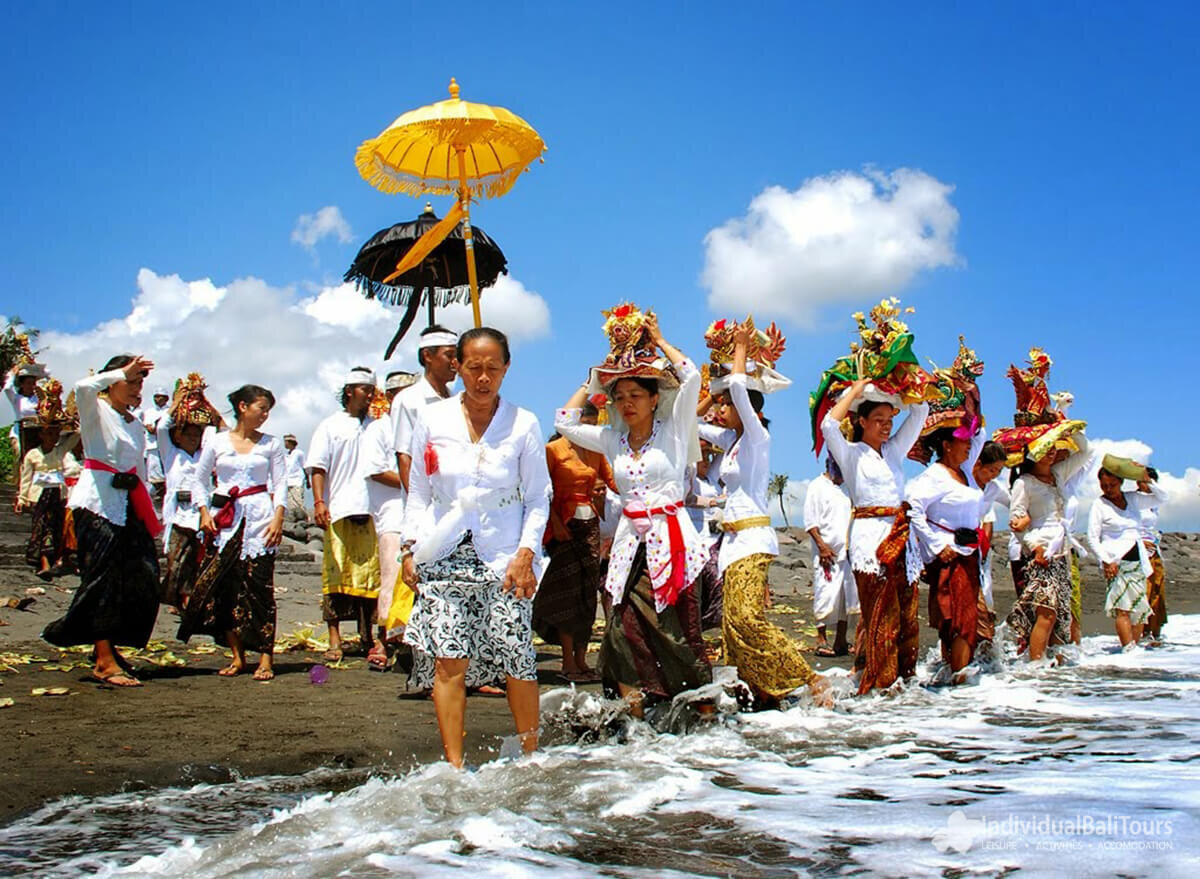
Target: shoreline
(189, 726)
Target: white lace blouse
(655, 477)
(1046, 505)
(179, 471)
(1113, 532)
(265, 464)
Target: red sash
(143, 507)
(224, 517)
(676, 580)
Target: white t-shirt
(295, 468)
(387, 503)
(406, 406)
(337, 448)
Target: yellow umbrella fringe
(401, 183)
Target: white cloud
(328, 222)
(843, 237)
(249, 331)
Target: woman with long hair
(115, 525)
(234, 597)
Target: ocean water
(1087, 768)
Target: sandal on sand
(116, 679)
(377, 658)
(333, 654)
(264, 674)
(824, 650)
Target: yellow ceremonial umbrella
(453, 147)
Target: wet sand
(189, 725)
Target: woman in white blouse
(767, 660)
(179, 447)
(873, 467)
(115, 525)
(653, 647)
(1038, 513)
(478, 504)
(946, 514)
(1114, 535)
(234, 599)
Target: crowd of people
(453, 531)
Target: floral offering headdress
(959, 407)
(50, 409)
(190, 406)
(882, 352)
(765, 349)
(380, 404)
(1039, 425)
(631, 353)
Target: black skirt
(233, 594)
(117, 598)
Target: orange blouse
(573, 475)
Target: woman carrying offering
(1114, 535)
(653, 648)
(234, 597)
(478, 503)
(872, 464)
(565, 607)
(43, 484)
(115, 525)
(766, 659)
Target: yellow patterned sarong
(766, 659)
(350, 565)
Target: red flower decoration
(622, 311)
(431, 459)
(719, 325)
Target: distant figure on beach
(478, 503)
(151, 416)
(43, 481)
(116, 602)
(1156, 583)
(827, 521)
(1115, 536)
(297, 475)
(341, 505)
(181, 432)
(20, 388)
(234, 598)
(386, 493)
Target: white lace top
(264, 464)
(107, 437)
(654, 476)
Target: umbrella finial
(453, 88)
(429, 207)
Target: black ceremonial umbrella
(440, 279)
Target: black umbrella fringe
(390, 295)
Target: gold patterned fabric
(766, 659)
(351, 559)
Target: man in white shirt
(435, 352)
(297, 476)
(20, 387)
(341, 505)
(827, 520)
(386, 493)
(151, 415)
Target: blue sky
(189, 139)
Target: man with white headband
(297, 476)
(151, 416)
(387, 495)
(435, 353)
(342, 506)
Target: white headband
(438, 339)
(399, 382)
(359, 377)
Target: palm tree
(777, 486)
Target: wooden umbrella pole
(464, 199)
